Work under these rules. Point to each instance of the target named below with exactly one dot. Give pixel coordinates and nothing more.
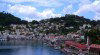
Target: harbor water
(27, 48)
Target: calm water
(26, 48)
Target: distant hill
(66, 24)
(60, 25)
(7, 19)
(72, 20)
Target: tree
(7, 19)
(24, 22)
(35, 22)
(93, 34)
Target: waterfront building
(94, 49)
(74, 44)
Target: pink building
(94, 49)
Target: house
(94, 49)
(74, 36)
(76, 45)
(85, 26)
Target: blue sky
(43, 9)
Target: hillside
(8, 19)
(63, 25)
(57, 25)
(71, 20)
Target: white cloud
(71, 1)
(84, 2)
(77, 2)
(94, 7)
(29, 12)
(47, 3)
(48, 13)
(97, 17)
(28, 19)
(97, 9)
(68, 9)
(83, 9)
(22, 9)
(96, 2)
(18, 1)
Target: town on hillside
(70, 33)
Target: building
(76, 45)
(94, 49)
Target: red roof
(81, 46)
(77, 45)
(95, 46)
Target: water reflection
(26, 48)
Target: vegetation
(63, 22)
(69, 21)
(34, 22)
(58, 25)
(7, 19)
(94, 35)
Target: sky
(42, 9)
